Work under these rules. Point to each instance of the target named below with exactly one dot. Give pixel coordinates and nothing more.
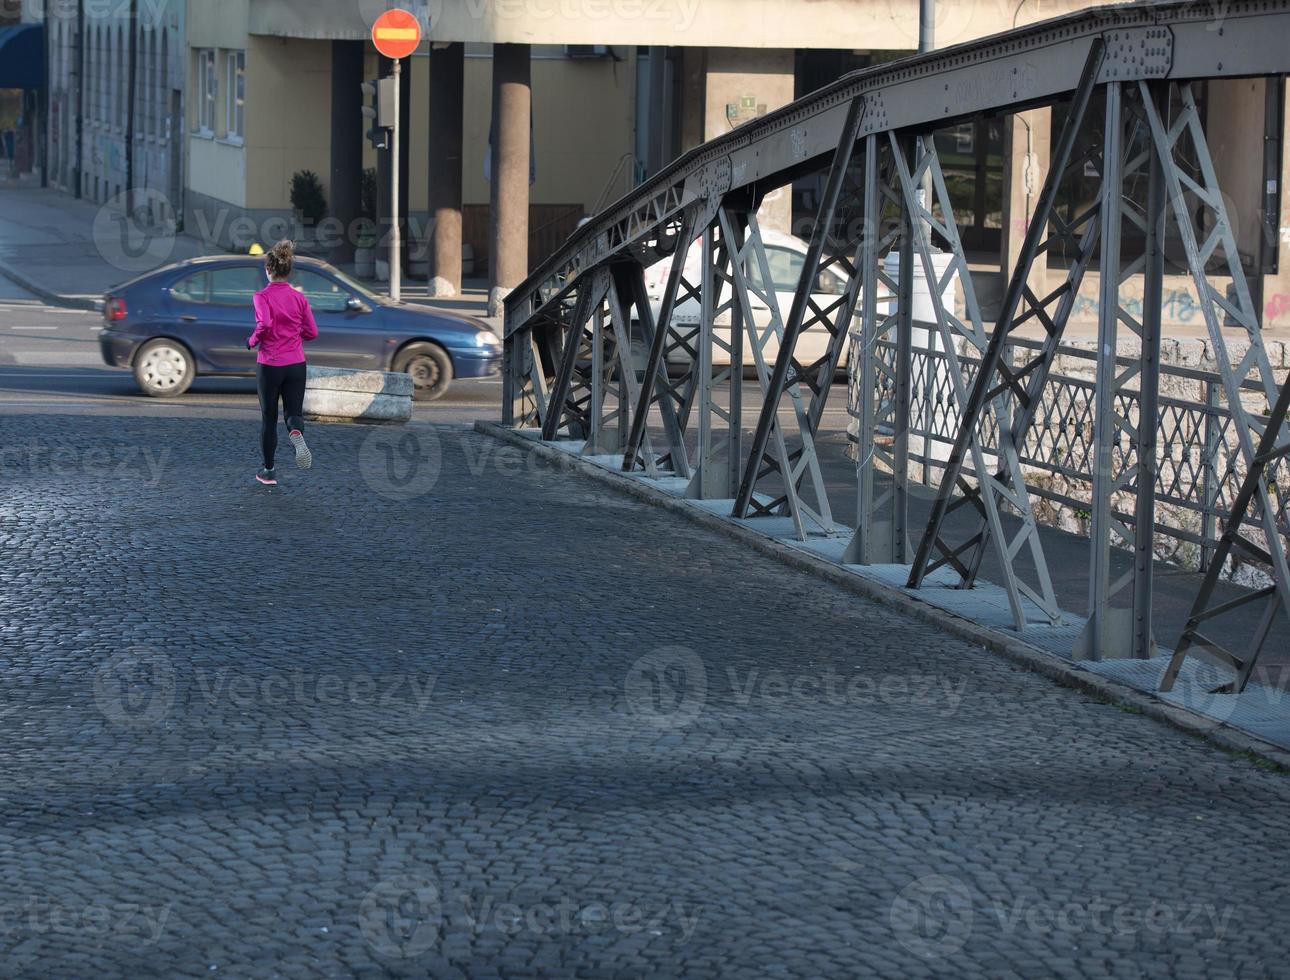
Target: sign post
(396, 34)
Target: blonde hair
(279, 259)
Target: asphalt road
(50, 361)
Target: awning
(22, 56)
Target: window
(207, 91)
(785, 268)
(163, 86)
(324, 295)
(237, 285)
(193, 289)
(146, 87)
(236, 107)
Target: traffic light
(380, 112)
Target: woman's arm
(262, 316)
(308, 326)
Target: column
(1026, 154)
(347, 128)
(509, 212)
(742, 84)
(447, 84)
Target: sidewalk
(70, 252)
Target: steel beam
(720, 428)
(883, 396)
(655, 365)
(760, 463)
(567, 411)
(1124, 444)
(754, 288)
(933, 550)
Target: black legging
(288, 382)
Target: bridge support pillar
(508, 254)
(447, 67)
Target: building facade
(116, 106)
(211, 109)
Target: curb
(1024, 654)
(46, 296)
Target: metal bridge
(1127, 78)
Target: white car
(785, 256)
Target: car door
(349, 335)
(786, 270)
(228, 316)
(182, 315)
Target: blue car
(193, 319)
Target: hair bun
(279, 259)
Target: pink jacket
(282, 320)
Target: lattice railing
(1199, 462)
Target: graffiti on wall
(1177, 306)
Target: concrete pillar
(346, 142)
(508, 253)
(1026, 154)
(1276, 288)
(742, 84)
(447, 84)
(1234, 130)
(694, 75)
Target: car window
(236, 286)
(324, 295)
(785, 268)
(191, 289)
(830, 284)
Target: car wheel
(431, 370)
(164, 368)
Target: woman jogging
(282, 321)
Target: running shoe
(304, 458)
(267, 477)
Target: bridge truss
(588, 357)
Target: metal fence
(1199, 463)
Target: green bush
(307, 196)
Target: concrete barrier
(343, 395)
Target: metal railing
(1199, 464)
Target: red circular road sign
(396, 34)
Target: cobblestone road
(431, 709)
